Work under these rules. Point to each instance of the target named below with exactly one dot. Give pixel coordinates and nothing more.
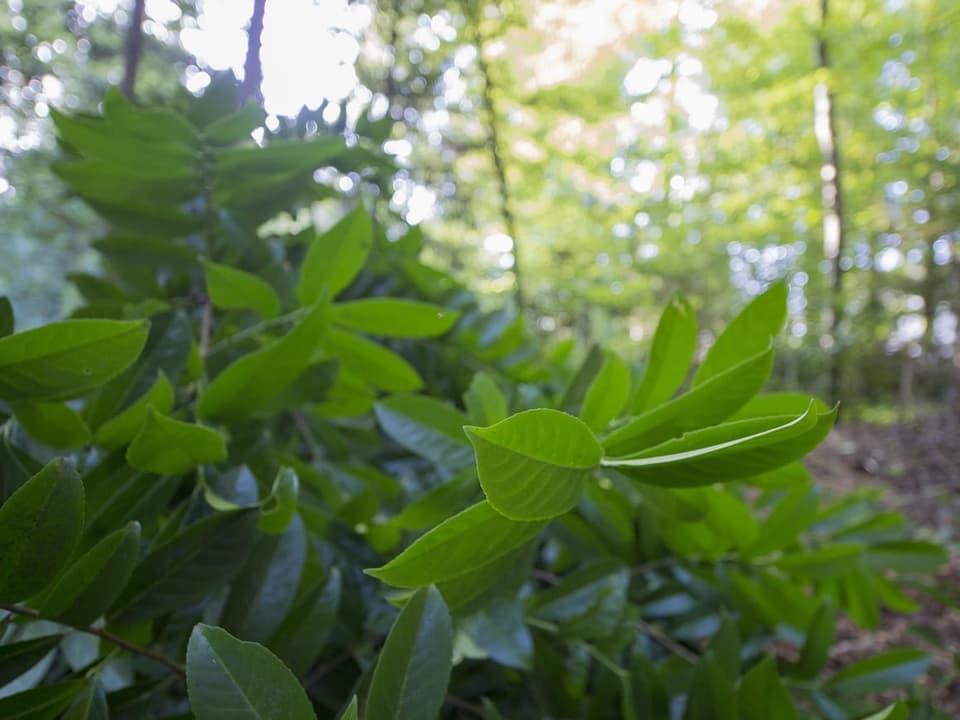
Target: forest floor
(917, 465)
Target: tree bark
(132, 48)
(832, 198)
(252, 66)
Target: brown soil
(917, 465)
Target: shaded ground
(918, 466)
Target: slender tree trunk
(500, 172)
(252, 66)
(832, 194)
(132, 48)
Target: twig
(668, 642)
(103, 634)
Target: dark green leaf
(7, 321)
(762, 696)
(42, 703)
(54, 424)
(18, 657)
(95, 580)
(532, 466)
(826, 562)
(411, 676)
(302, 636)
(793, 514)
(878, 673)
(427, 427)
(227, 678)
(40, 525)
(91, 704)
(280, 507)
(711, 694)
(819, 639)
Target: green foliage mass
(313, 478)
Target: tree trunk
(132, 48)
(252, 66)
(831, 192)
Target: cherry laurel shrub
(265, 472)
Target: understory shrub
(269, 472)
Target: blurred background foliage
(578, 160)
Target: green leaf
(394, 317)
(474, 590)
(263, 593)
(121, 429)
(92, 582)
(379, 366)
(280, 507)
(66, 359)
(825, 562)
(727, 452)
(484, 402)
(428, 427)
(469, 540)
(18, 657)
(236, 126)
(91, 704)
(711, 694)
(7, 321)
(572, 400)
(897, 711)
(233, 289)
(748, 334)
(673, 346)
(607, 394)
(40, 525)
(54, 424)
(302, 635)
(588, 603)
(351, 711)
(438, 503)
(183, 570)
(412, 672)
(250, 383)
(906, 556)
(228, 678)
(879, 673)
(762, 696)
(500, 633)
(792, 515)
(532, 466)
(336, 256)
(42, 703)
(170, 447)
(705, 405)
(816, 648)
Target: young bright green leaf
(336, 256)
(727, 452)
(474, 590)
(438, 503)
(468, 540)
(705, 405)
(379, 366)
(484, 402)
(532, 466)
(54, 424)
(428, 427)
(41, 703)
(179, 572)
(748, 334)
(228, 679)
(608, 392)
(18, 657)
(90, 704)
(897, 711)
(121, 429)
(263, 592)
(7, 321)
(280, 507)
(820, 634)
(250, 383)
(762, 696)
(673, 346)
(411, 676)
(393, 317)
(40, 525)
(170, 447)
(879, 673)
(95, 580)
(233, 289)
(66, 359)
